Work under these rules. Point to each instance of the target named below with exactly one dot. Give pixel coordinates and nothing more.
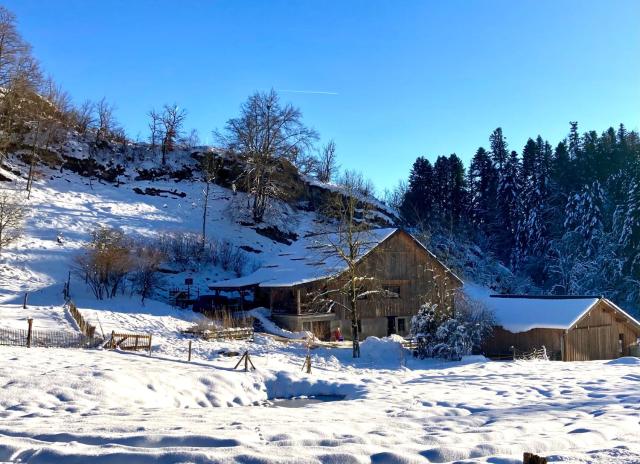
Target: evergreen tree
(630, 234)
(483, 189)
(441, 192)
(508, 207)
(499, 151)
(458, 200)
(418, 201)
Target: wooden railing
(129, 342)
(86, 328)
(231, 333)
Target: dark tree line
(564, 219)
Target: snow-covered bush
(451, 337)
(453, 340)
(424, 326)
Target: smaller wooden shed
(571, 328)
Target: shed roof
(519, 313)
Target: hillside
(74, 193)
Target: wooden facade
(409, 273)
(603, 332)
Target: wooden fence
(86, 328)
(129, 342)
(46, 339)
(231, 333)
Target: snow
(99, 406)
(263, 314)
(625, 361)
(522, 314)
(71, 405)
(308, 259)
(14, 316)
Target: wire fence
(47, 339)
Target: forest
(563, 220)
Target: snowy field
(112, 407)
(82, 406)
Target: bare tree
(327, 165)
(350, 240)
(172, 120)
(12, 214)
(395, 197)
(83, 117)
(210, 166)
(155, 129)
(147, 264)
(106, 262)
(105, 120)
(13, 49)
(264, 134)
(192, 140)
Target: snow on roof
(308, 259)
(521, 313)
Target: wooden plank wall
(502, 341)
(399, 261)
(596, 335)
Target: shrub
(451, 337)
(106, 261)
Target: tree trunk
(356, 341)
(204, 215)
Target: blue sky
(411, 77)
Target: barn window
(391, 291)
(402, 329)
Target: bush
(106, 261)
(227, 256)
(147, 263)
(451, 337)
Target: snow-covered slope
(65, 205)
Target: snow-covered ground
(79, 406)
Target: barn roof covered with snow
(308, 259)
(520, 313)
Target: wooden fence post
(113, 339)
(149, 344)
(24, 302)
(530, 458)
(189, 360)
(29, 332)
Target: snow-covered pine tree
(483, 189)
(508, 207)
(590, 215)
(532, 237)
(630, 234)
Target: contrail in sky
(312, 92)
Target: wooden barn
(408, 273)
(571, 328)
